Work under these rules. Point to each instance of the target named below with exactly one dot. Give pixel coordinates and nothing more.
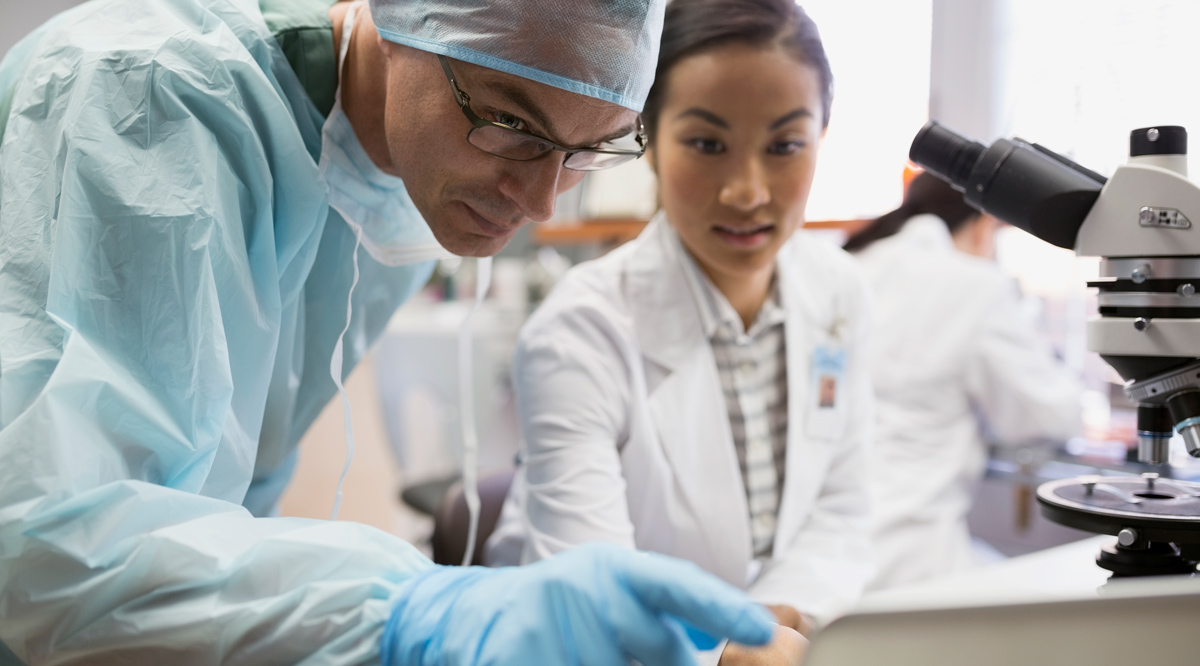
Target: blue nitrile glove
(596, 605)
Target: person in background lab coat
(701, 391)
(952, 353)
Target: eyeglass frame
(464, 103)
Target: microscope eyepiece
(1024, 184)
(946, 154)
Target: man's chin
(472, 245)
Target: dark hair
(694, 26)
(927, 195)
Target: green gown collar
(305, 34)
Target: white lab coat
(952, 353)
(627, 437)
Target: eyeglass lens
(514, 146)
(596, 161)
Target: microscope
(1142, 223)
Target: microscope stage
(1163, 509)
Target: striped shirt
(753, 369)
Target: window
(879, 52)
(1080, 74)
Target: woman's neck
(745, 292)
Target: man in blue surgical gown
(208, 211)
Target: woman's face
(735, 152)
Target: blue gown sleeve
(157, 215)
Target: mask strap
(335, 361)
(335, 371)
(466, 408)
(344, 45)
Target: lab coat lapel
(811, 315)
(667, 322)
(687, 405)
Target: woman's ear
(650, 159)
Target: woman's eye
(511, 121)
(785, 147)
(707, 146)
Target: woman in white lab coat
(953, 355)
(701, 391)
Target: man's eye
(707, 146)
(786, 147)
(511, 121)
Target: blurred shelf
(615, 231)
(849, 226)
(581, 232)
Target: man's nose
(746, 188)
(534, 185)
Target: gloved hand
(595, 605)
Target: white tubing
(466, 408)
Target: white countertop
(1050, 607)
(1063, 572)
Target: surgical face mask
(375, 204)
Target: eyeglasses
(513, 144)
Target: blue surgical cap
(605, 49)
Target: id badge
(827, 391)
